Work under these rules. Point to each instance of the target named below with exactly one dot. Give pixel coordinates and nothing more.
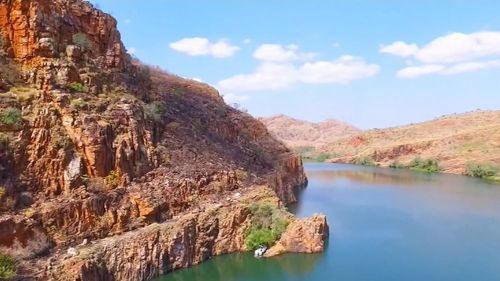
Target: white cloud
(278, 76)
(336, 44)
(247, 41)
(197, 46)
(132, 50)
(416, 71)
(276, 53)
(341, 71)
(459, 47)
(233, 98)
(400, 49)
(269, 76)
(471, 67)
(127, 21)
(453, 53)
(197, 80)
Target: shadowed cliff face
(96, 145)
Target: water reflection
(243, 266)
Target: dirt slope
(453, 140)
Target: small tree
(481, 170)
(11, 116)
(80, 39)
(7, 266)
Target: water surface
(385, 225)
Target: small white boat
(259, 252)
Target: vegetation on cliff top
(268, 223)
(7, 266)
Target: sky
(373, 64)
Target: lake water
(385, 225)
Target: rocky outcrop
(160, 248)
(37, 29)
(104, 149)
(308, 235)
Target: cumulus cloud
(279, 53)
(277, 76)
(459, 47)
(197, 46)
(471, 67)
(453, 53)
(233, 98)
(341, 71)
(400, 49)
(416, 71)
(268, 76)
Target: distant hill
(453, 140)
(305, 137)
(299, 133)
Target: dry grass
(453, 140)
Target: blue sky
(370, 63)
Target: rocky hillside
(452, 140)
(305, 137)
(122, 171)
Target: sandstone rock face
(302, 236)
(37, 29)
(107, 150)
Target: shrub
(242, 175)
(4, 139)
(154, 111)
(11, 116)
(482, 170)
(76, 87)
(425, 165)
(396, 165)
(267, 225)
(113, 179)
(322, 157)
(173, 125)
(259, 237)
(7, 266)
(81, 40)
(365, 161)
(177, 91)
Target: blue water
(385, 225)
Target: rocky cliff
(133, 162)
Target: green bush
(396, 165)
(113, 179)
(365, 161)
(81, 40)
(425, 165)
(322, 157)
(11, 116)
(482, 170)
(259, 237)
(154, 111)
(76, 87)
(268, 223)
(4, 139)
(7, 266)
